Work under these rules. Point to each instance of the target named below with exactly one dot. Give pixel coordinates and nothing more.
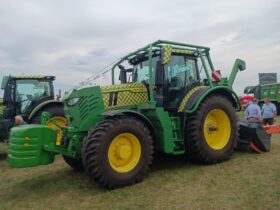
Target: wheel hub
(60, 121)
(124, 152)
(212, 128)
(217, 129)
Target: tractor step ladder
(177, 137)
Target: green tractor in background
(162, 104)
(29, 96)
(2, 134)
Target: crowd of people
(265, 114)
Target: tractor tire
(118, 152)
(57, 114)
(278, 108)
(76, 164)
(212, 132)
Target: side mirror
(122, 76)
(123, 71)
(58, 96)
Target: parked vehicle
(113, 130)
(29, 96)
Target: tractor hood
(84, 107)
(124, 95)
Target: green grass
(247, 181)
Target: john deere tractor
(162, 104)
(29, 96)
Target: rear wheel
(118, 152)
(212, 131)
(57, 114)
(74, 163)
(278, 108)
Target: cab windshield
(141, 70)
(30, 91)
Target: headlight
(73, 101)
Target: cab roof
(6, 79)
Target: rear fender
(194, 101)
(43, 105)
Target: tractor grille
(87, 104)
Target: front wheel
(76, 164)
(57, 115)
(118, 152)
(278, 108)
(211, 133)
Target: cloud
(74, 39)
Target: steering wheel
(30, 97)
(145, 82)
(176, 83)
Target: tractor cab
(171, 70)
(22, 94)
(173, 73)
(171, 79)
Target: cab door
(9, 111)
(180, 73)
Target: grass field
(247, 181)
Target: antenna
(88, 82)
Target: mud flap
(252, 137)
(30, 145)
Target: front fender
(42, 105)
(135, 114)
(128, 113)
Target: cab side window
(180, 73)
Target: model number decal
(113, 99)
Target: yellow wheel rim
(217, 129)
(124, 152)
(60, 121)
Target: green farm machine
(29, 96)
(162, 104)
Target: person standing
(253, 111)
(269, 112)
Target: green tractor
(29, 96)
(162, 104)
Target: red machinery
(272, 129)
(255, 137)
(244, 100)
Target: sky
(73, 40)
